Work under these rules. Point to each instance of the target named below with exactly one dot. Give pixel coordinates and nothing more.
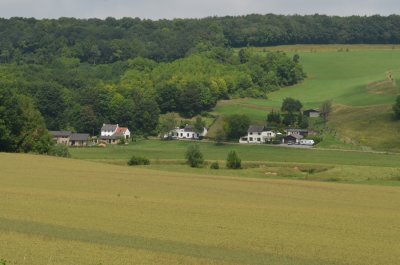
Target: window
(251, 138)
(259, 133)
(251, 133)
(258, 139)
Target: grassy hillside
(357, 79)
(60, 211)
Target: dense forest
(27, 40)
(110, 40)
(76, 74)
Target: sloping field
(60, 211)
(360, 76)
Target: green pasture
(66, 211)
(342, 77)
(355, 79)
(259, 161)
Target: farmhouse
(61, 137)
(112, 133)
(257, 135)
(312, 113)
(187, 132)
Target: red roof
(121, 130)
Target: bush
(214, 165)
(233, 161)
(138, 160)
(317, 139)
(193, 156)
(396, 108)
(59, 150)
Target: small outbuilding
(79, 139)
(312, 113)
(61, 137)
(292, 139)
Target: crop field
(65, 211)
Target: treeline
(81, 97)
(28, 40)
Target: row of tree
(105, 41)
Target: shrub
(193, 156)
(59, 150)
(138, 160)
(214, 165)
(233, 161)
(317, 139)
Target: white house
(257, 135)
(112, 133)
(108, 129)
(186, 133)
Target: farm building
(302, 132)
(312, 113)
(292, 139)
(79, 139)
(187, 132)
(69, 138)
(112, 133)
(257, 135)
(61, 137)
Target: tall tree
(22, 128)
(326, 109)
(291, 105)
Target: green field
(286, 206)
(356, 80)
(63, 211)
(259, 161)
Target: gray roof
(312, 110)
(60, 133)
(109, 127)
(255, 128)
(296, 130)
(188, 128)
(297, 136)
(79, 137)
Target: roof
(79, 137)
(60, 133)
(311, 110)
(255, 128)
(296, 136)
(188, 128)
(296, 130)
(109, 127)
(121, 131)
